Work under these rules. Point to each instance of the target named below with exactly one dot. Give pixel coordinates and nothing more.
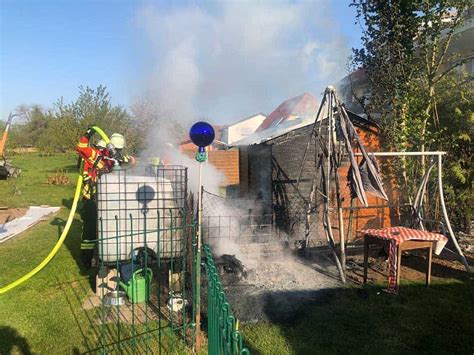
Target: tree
(59, 129)
(30, 124)
(92, 107)
(454, 133)
(387, 56)
(439, 22)
(416, 86)
(158, 127)
(405, 48)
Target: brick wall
(225, 161)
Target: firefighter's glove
(119, 156)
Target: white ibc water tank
(138, 211)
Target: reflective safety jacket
(94, 166)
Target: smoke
(228, 60)
(163, 137)
(212, 178)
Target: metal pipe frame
(439, 154)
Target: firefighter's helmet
(117, 140)
(101, 144)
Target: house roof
(285, 127)
(247, 118)
(273, 132)
(299, 107)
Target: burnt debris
(230, 269)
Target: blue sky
(48, 48)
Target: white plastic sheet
(33, 216)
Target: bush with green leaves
(59, 128)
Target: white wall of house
(243, 128)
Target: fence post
(198, 265)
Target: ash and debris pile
(230, 269)
(263, 286)
(262, 278)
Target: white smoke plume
(228, 60)
(231, 59)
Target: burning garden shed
(278, 173)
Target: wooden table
(408, 245)
(399, 239)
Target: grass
(31, 188)
(421, 320)
(38, 312)
(44, 315)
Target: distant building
(241, 129)
(462, 44)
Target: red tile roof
(300, 106)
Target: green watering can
(138, 286)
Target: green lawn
(434, 320)
(44, 315)
(43, 309)
(31, 188)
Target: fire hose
(65, 232)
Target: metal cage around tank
(146, 236)
(147, 250)
(154, 200)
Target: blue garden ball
(202, 134)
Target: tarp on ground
(33, 216)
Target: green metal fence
(223, 334)
(155, 317)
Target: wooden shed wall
(290, 203)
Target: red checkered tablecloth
(398, 235)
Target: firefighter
(118, 141)
(101, 145)
(165, 158)
(98, 160)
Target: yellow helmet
(101, 144)
(117, 140)
(154, 161)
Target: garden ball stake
(201, 134)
